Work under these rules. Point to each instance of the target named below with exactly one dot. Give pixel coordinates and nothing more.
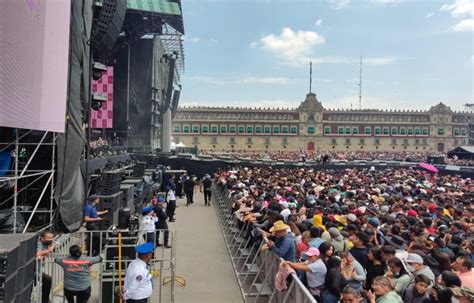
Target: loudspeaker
(107, 26)
(110, 287)
(7, 289)
(111, 253)
(9, 252)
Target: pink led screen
(102, 118)
(34, 50)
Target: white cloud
(318, 22)
(339, 4)
(207, 80)
(213, 41)
(195, 39)
(465, 25)
(459, 8)
(429, 15)
(253, 44)
(291, 45)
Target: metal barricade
(255, 269)
(105, 275)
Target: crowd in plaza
(360, 235)
(327, 156)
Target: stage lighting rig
(97, 100)
(97, 70)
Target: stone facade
(312, 127)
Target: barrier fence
(254, 268)
(105, 275)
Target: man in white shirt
(138, 285)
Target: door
(441, 147)
(310, 146)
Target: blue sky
(416, 53)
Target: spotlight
(97, 100)
(97, 70)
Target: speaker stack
(112, 203)
(139, 169)
(109, 182)
(17, 267)
(128, 191)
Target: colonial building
(312, 127)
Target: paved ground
(202, 257)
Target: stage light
(97, 70)
(97, 100)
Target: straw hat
(279, 226)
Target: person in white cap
(315, 271)
(416, 267)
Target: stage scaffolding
(30, 184)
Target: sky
(257, 53)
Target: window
(327, 130)
(464, 132)
(348, 130)
(403, 131)
(377, 141)
(232, 140)
(258, 129)
(294, 130)
(340, 130)
(362, 141)
(284, 141)
(394, 141)
(223, 129)
(417, 141)
(368, 131)
(195, 140)
(355, 130)
(284, 129)
(268, 130)
(457, 132)
(385, 130)
(394, 131)
(348, 141)
(425, 141)
(177, 129)
(440, 131)
(410, 131)
(417, 131)
(249, 129)
(425, 131)
(334, 141)
(241, 129)
(195, 129)
(311, 130)
(267, 140)
(186, 129)
(205, 129)
(377, 131)
(232, 129)
(214, 129)
(405, 141)
(249, 140)
(276, 129)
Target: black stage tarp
(101, 162)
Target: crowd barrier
(254, 268)
(105, 276)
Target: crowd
(325, 156)
(395, 235)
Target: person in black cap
(138, 285)
(91, 220)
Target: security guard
(138, 280)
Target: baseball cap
(312, 251)
(414, 258)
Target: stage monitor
(34, 48)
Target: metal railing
(255, 269)
(105, 275)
